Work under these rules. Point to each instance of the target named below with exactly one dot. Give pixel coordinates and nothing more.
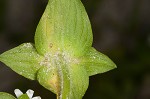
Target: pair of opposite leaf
(62, 58)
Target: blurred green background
(121, 30)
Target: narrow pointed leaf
(4, 95)
(64, 26)
(23, 59)
(96, 62)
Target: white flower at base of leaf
(29, 93)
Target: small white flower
(29, 93)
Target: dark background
(121, 30)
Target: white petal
(18, 93)
(30, 93)
(38, 97)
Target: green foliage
(62, 59)
(64, 26)
(23, 59)
(95, 62)
(6, 96)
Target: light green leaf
(23, 59)
(64, 26)
(4, 95)
(79, 81)
(48, 77)
(95, 62)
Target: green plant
(62, 58)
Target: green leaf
(23, 59)
(79, 81)
(4, 95)
(64, 26)
(48, 78)
(95, 62)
